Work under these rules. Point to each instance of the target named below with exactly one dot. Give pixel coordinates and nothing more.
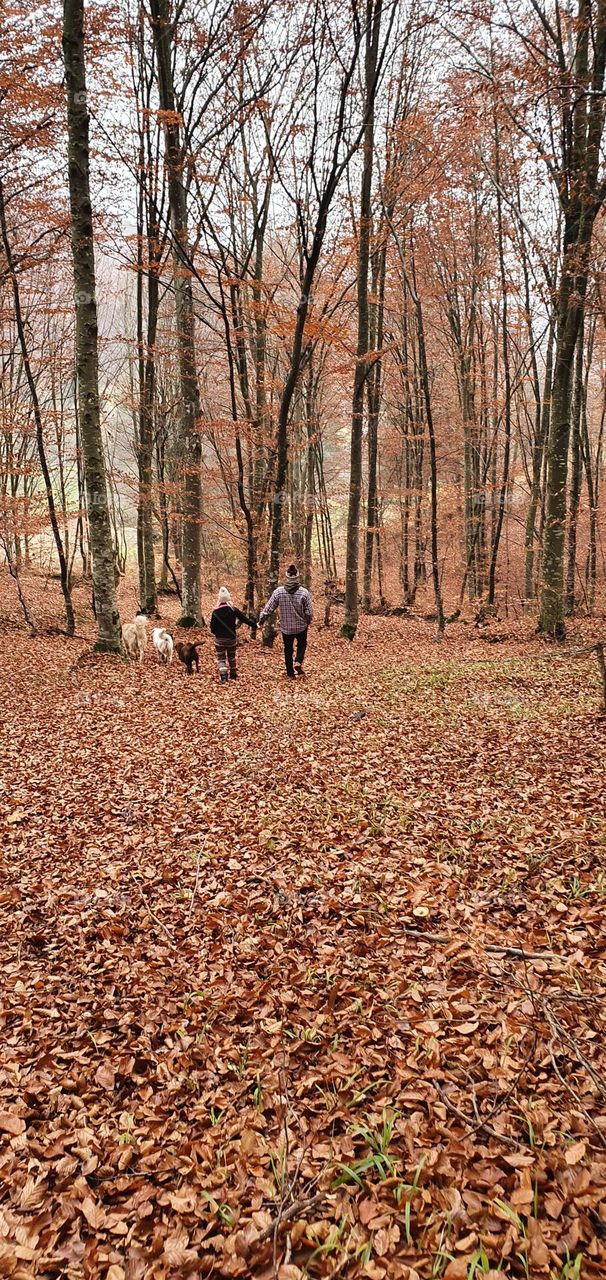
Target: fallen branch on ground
(197, 880)
(299, 1207)
(155, 918)
(492, 947)
(482, 1126)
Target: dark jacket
(223, 621)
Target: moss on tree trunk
(109, 637)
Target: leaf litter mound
(303, 980)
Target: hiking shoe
(233, 675)
(299, 669)
(224, 677)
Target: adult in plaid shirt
(296, 613)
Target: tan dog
(134, 637)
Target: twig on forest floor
(197, 880)
(500, 1103)
(560, 1031)
(542, 1008)
(288, 1183)
(492, 947)
(156, 918)
(562, 993)
(342, 1267)
(285, 1188)
(574, 1094)
(288, 1250)
(560, 1034)
(475, 1128)
(287, 1215)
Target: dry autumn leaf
(18, 815)
(575, 1153)
(93, 1212)
(105, 1076)
(10, 1123)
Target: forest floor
(258, 1020)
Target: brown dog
(188, 655)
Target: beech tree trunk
(374, 10)
(576, 473)
(146, 369)
(433, 461)
(374, 406)
(503, 490)
(104, 583)
(592, 474)
(538, 452)
(150, 242)
(570, 308)
(582, 190)
(190, 411)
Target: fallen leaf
(10, 1123)
(105, 1075)
(94, 1213)
(538, 1252)
(575, 1153)
(18, 815)
(458, 1268)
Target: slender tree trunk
(146, 365)
(570, 310)
(374, 10)
(576, 472)
(538, 453)
(312, 424)
(433, 462)
(236, 362)
(592, 472)
(14, 572)
(104, 583)
(33, 390)
(374, 405)
(325, 520)
(164, 513)
(405, 520)
(502, 501)
(190, 410)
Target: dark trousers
(289, 644)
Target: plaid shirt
(296, 609)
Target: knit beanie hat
(223, 596)
(292, 578)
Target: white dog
(134, 636)
(163, 644)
